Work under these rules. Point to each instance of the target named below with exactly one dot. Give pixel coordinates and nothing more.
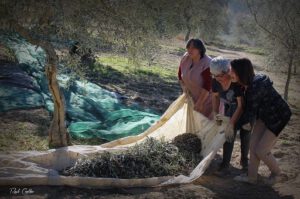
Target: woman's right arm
(181, 81)
(215, 102)
(215, 97)
(180, 78)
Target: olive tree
(205, 16)
(280, 21)
(133, 26)
(88, 22)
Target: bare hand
(217, 118)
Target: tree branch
(281, 40)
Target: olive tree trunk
(58, 134)
(187, 35)
(289, 74)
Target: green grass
(257, 51)
(239, 47)
(127, 68)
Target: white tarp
(27, 168)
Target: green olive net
(91, 111)
(151, 158)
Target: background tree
(204, 17)
(280, 21)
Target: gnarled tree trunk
(187, 17)
(289, 74)
(58, 134)
(187, 35)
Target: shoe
(223, 166)
(272, 179)
(244, 165)
(223, 170)
(245, 178)
(245, 168)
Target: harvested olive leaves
(152, 158)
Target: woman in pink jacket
(195, 78)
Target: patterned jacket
(265, 103)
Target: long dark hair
(199, 44)
(244, 70)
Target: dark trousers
(228, 148)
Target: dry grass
(24, 130)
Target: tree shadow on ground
(146, 88)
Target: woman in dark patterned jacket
(267, 112)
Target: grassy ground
(24, 130)
(238, 47)
(127, 68)
(153, 86)
(28, 130)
